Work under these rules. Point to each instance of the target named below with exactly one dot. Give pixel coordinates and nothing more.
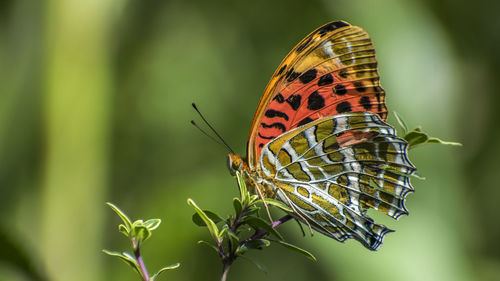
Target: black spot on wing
(275, 113)
(377, 94)
(331, 27)
(343, 73)
(261, 145)
(279, 98)
(326, 79)
(308, 76)
(365, 102)
(293, 76)
(339, 90)
(294, 101)
(277, 125)
(281, 69)
(359, 86)
(304, 121)
(344, 106)
(264, 137)
(304, 45)
(315, 101)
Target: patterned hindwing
(333, 70)
(333, 169)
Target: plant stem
(259, 233)
(228, 259)
(225, 270)
(140, 261)
(281, 221)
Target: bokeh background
(95, 104)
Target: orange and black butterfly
(319, 142)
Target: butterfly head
(234, 163)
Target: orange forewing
(332, 70)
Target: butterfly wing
(332, 170)
(333, 70)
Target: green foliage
(207, 221)
(128, 259)
(417, 137)
(297, 249)
(138, 232)
(197, 219)
(245, 230)
(173, 266)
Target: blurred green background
(95, 104)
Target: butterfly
(319, 142)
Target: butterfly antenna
(205, 133)
(212, 128)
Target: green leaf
(127, 258)
(439, 141)
(416, 137)
(237, 206)
(297, 249)
(208, 222)
(235, 240)
(140, 232)
(258, 244)
(277, 203)
(170, 267)
(122, 215)
(243, 189)
(199, 221)
(152, 224)
(253, 198)
(401, 122)
(256, 222)
(241, 250)
(251, 210)
(208, 244)
(123, 229)
(223, 231)
(137, 223)
(259, 265)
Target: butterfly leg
(298, 214)
(261, 196)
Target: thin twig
(281, 221)
(230, 257)
(259, 233)
(140, 261)
(225, 270)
